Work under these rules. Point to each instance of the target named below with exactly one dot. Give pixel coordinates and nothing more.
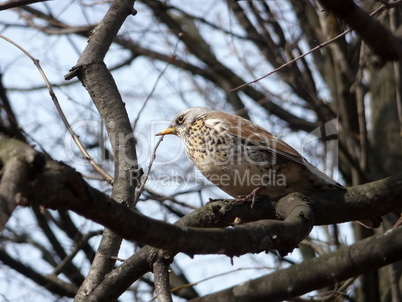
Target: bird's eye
(180, 119)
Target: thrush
(242, 158)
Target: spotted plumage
(238, 156)
(243, 159)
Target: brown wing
(249, 132)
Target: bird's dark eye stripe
(180, 119)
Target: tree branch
(371, 253)
(16, 3)
(94, 75)
(69, 191)
(363, 200)
(161, 275)
(222, 213)
(66, 189)
(50, 282)
(61, 187)
(387, 46)
(19, 163)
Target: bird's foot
(251, 196)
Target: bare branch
(74, 252)
(132, 226)
(20, 163)
(375, 35)
(222, 213)
(75, 137)
(161, 275)
(50, 282)
(373, 252)
(360, 202)
(145, 178)
(154, 86)
(292, 61)
(16, 3)
(97, 79)
(387, 46)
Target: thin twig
(328, 295)
(173, 57)
(219, 275)
(160, 197)
(145, 178)
(153, 157)
(75, 137)
(59, 268)
(307, 53)
(294, 60)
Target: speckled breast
(207, 146)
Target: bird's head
(185, 118)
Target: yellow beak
(169, 130)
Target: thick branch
(69, 191)
(368, 254)
(102, 88)
(20, 163)
(11, 128)
(379, 38)
(64, 188)
(222, 213)
(59, 186)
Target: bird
(243, 159)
